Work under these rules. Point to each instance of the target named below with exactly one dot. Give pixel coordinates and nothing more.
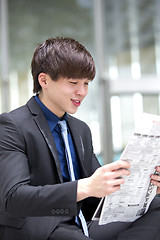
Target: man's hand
(104, 181)
(155, 179)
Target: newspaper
(136, 194)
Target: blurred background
(124, 38)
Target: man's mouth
(76, 102)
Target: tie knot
(63, 125)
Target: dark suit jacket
(33, 197)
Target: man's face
(64, 95)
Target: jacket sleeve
(17, 196)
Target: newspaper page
(136, 194)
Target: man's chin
(72, 111)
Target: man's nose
(81, 90)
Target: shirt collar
(52, 119)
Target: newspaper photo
(136, 194)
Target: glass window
(132, 53)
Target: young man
(40, 197)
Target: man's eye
(73, 82)
(87, 83)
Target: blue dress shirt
(52, 120)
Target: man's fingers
(118, 173)
(115, 185)
(120, 164)
(117, 182)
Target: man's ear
(42, 78)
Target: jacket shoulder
(21, 113)
(77, 121)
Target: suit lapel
(78, 142)
(42, 124)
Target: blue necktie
(64, 133)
